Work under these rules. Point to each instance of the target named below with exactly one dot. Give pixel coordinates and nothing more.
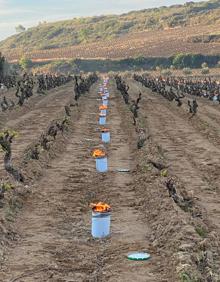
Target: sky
(30, 12)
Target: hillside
(164, 43)
(83, 30)
(130, 32)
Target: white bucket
(102, 120)
(101, 224)
(107, 94)
(104, 97)
(103, 112)
(102, 164)
(105, 102)
(106, 137)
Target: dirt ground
(52, 230)
(190, 150)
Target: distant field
(163, 43)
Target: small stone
(185, 247)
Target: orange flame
(97, 153)
(100, 207)
(103, 107)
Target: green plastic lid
(138, 256)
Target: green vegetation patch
(201, 231)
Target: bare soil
(51, 232)
(190, 150)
